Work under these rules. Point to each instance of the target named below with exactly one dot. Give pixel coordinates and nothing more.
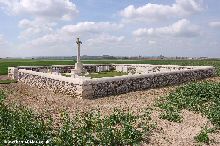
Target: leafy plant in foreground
(89, 128)
(203, 135)
(21, 125)
(199, 97)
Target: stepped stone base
(78, 71)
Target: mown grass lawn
(101, 74)
(106, 74)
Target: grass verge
(7, 81)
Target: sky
(110, 27)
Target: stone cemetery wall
(13, 73)
(101, 87)
(55, 83)
(113, 86)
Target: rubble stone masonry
(101, 87)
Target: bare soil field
(166, 133)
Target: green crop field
(4, 64)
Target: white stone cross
(78, 42)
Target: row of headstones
(138, 70)
(121, 68)
(57, 71)
(102, 68)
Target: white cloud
(41, 24)
(181, 28)
(153, 12)
(50, 39)
(94, 32)
(35, 28)
(40, 19)
(151, 42)
(214, 24)
(41, 15)
(90, 27)
(42, 9)
(104, 39)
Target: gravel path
(166, 133)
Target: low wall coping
(55, 77)
(116, 78)
(124, 77)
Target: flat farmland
(161, 116)
(5, 63)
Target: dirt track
(166, 133)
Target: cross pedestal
(79, 66)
